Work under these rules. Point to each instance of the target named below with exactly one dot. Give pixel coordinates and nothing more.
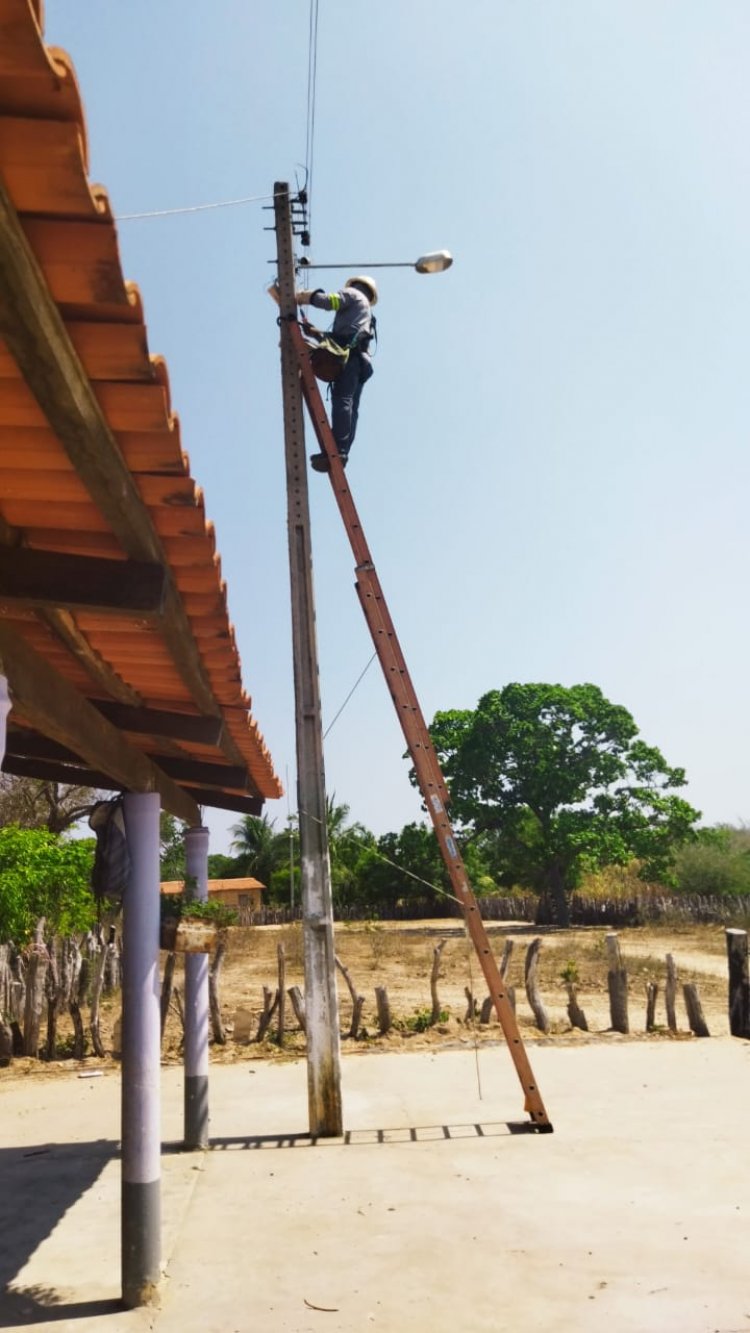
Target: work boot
(319, 463)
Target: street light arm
(437, 261)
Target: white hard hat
(364, 280)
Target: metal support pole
(4, 711)
(141, 1144)
(196, 1002)
(321, 1003)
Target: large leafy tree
(559, 782)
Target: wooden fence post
(532, 990)
(575, 1013)
(358, 1001)
(670, 994)
(384, 1009)
(617, 981)
(696, 1020)
(298, 1005)
(270, 1005)
(739, 983)
(652, 990)
(35, 981)
(434, 975)
(214, 971)
(281, 1021)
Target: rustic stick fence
(728, 909)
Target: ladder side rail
(324, 435)
(360, 549)
(429, 775)
(425, 768)
(400, 684)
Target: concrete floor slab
(431, 1213)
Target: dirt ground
(399, 956)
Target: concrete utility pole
(321, 1004)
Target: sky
(551, 464)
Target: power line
(360, 677)
(312, 76)
(194, 208)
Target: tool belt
(327, 357)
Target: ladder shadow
(367, 1138)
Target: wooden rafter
(227, 800)
(50, 770)
(163, 722)
(52, 706)
(30, 745)
(54, 578)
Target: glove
(303, 297)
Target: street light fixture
(437, 261)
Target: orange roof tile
(48, 502)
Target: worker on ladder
(353, 329)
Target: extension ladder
(429, 776)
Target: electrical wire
(193, 208)
(443, 893)
(312, 77)
(360, 677)
(353, 837)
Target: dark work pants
(345, 395)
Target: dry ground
(399, 955)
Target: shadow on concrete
(38, 1185)
(365, 1138)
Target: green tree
(259, 849)
(718, 861)
(44, 875)
(563, 784)
(171, 847)
(221, 866)
(402, 871)
(346, 846)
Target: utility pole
(321, 1003)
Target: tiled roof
(216, 885)
(95, 468)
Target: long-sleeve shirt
(353, 317)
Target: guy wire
(360, 677)
(312, 75)
(193, 208)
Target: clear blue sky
(552, 462)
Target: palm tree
(336, 818)
(258, 848)
(345, 845)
